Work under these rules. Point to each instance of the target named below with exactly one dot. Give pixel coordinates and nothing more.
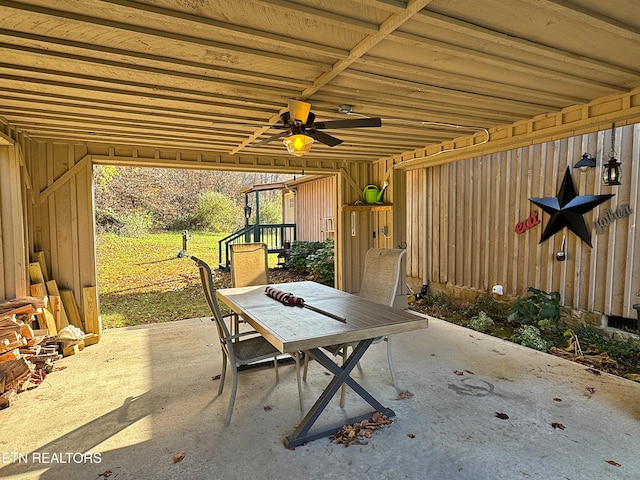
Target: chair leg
(390, 360)
(306, 366)
(297, 359)
(275, 365)
(234, 375)
(223, 373)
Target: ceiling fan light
(298, 145)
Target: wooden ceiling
(206, 74)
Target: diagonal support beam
(390, 25)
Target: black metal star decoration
(567, 210)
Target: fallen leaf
(558, 426)
(634, 377)
(591, 390)
(267, 408)
(458, 372)
(502, 416)
(215, 377)
(594, 371)
(411, 435)
(106, 474)
(404, 394)
(469, 372)
(557, 399)
(178, 457)
(353, 434)
(615, 464)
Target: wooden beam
(572, 121)
(54, 293)
(92, 319)
(64, 178)
(6, 139)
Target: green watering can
(373, 194)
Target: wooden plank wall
(63, 220)
(314, 200)
(350, 249)
(14, 259)
(471, 208)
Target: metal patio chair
(238, 349)
(249, 266)
(380, 284)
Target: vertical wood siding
(471, 208)
(13, 247)
(63, 213)
(315, 201)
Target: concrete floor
(144, 394)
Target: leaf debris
(615, 464)
(502, 416)
(558, 426)
(357, 432)
(404, 394)
(178, 457)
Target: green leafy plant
(482, 322)
(218, 213)
(320, 263)
(530, 336)
(298, 253)
(312, 258)
(538, 308)
(137, 223)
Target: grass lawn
(142, 280)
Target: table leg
(341, 375)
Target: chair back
(210, 294)
(249, 264)
(382, 274)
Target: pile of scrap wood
(26, 353)
(36, 331)
(62, 309)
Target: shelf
(365, 207)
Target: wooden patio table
(294, 329)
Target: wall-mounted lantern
(585, 163)
(612, 170)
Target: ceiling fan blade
(271, 138)
(350, 123)
(324, 138)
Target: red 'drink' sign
(528, 223)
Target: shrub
(298, 253)
(481, 323)
(312, 258)
(136, 224)
(530, 336)
(218, 213)
(538, 308)
(320, 263)
(489, 305)
(107, 221)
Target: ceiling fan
(301, 129)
